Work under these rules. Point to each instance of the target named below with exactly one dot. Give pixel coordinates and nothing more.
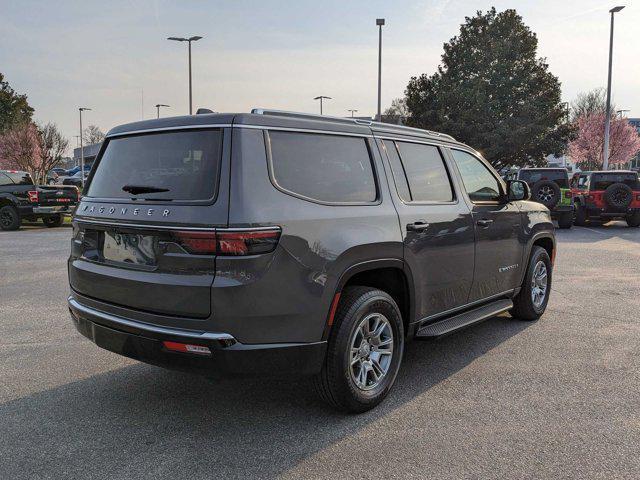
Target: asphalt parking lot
(559, 398)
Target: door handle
(418, 226)
(484, 223)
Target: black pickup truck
(21, 200)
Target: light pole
(607, 123)
(158, 105)
(189, 40)
(82, 109)
(379, 23)
(352, 111)
(322, 97)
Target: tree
(587, 148)
(20, 148)
(14, 108)
(92, 134)
(594, 101)
(52, 146)
(397, 113)
(493, 93)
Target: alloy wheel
(539, 284)
(371, 351)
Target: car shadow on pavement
(141, 422)
(598, 232)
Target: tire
(547, 193)
(633, 219)
(581, 216)
(524, 307)
(565, 220)
(618, 195)
(337, 383)
(9, 218)
(53, 221)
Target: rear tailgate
(147, 247)
(54, 195)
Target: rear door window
(321, 167)
(180, 165)
(426, 173)
(19, 178)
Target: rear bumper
(229, 358)
(594, 211)
(28, 210)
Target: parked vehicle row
(60, 175)
(277, 243)
(589, 196)
(21, 200)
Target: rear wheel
(53, 221)
(565, 220)
(633, 219)
(532, 300)
(581, 215)
(364, 352)
(9, 218)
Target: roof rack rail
(310, 116)
(357, 121)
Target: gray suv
(275, 243)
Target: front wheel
(532, 300)
(633, 219)
(364, 351)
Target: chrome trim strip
(92, 312)
(171, 227)
(165, 129)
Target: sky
(113, 57)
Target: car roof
(282, 119)
(528, 169)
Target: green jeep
(550, 186)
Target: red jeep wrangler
(606, 195)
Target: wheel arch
(390, 275)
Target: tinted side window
(479, 182)
(399, 174)
(426, 173)
(327, 168)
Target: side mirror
(518, 190)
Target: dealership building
(90, 153)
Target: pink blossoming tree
(587, 148)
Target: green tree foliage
(493, 93)
(14, 108)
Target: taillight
(229, 242)
(33, 196)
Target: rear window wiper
(143, 189)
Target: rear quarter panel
(286, 296)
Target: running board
(462, 320)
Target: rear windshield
(602, 181)
(181, 165)
(560, 177)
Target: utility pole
(607, 124)
(82, 109)
(379, 23)
(352, 111)
(322, 97)
(189, 40)
(158, 105)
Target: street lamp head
(380, 21)
(82, 109)
(323, 96)
(616, 9)
(162, 105)
(177, 39)
(194, 38)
